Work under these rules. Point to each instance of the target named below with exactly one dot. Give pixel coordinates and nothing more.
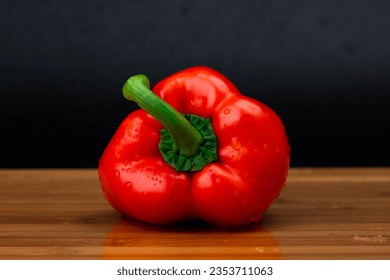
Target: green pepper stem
(186, 138)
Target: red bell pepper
(198, 148)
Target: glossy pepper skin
(235, 188)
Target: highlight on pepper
(196, 149)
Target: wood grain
(323, 213)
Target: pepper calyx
(207, 150)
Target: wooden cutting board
(323, 213)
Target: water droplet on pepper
(236, 144)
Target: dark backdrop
(323, 66)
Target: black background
(323, 66)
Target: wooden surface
(322, 214)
